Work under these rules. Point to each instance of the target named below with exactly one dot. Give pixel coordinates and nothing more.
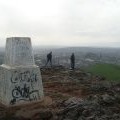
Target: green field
(109, 71)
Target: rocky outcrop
(96, 107)
(73, 95)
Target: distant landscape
(99, 61)
(85, 56)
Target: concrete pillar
(20, 78)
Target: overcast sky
(62, 22)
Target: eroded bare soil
(70, 95)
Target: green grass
(110, 71)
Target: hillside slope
(70, 95)
(110, 71)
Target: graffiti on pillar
(23, 76)
(23, 86)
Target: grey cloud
(90, 20)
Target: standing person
(49, 59)
(72, 59)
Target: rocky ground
(70, 95)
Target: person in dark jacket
(49, 59)
(72, 60)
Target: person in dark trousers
(72, 60)
(49, 59)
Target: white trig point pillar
(20, 78)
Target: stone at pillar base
(20, 84)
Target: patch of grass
(110, 71)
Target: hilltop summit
(70, 95)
